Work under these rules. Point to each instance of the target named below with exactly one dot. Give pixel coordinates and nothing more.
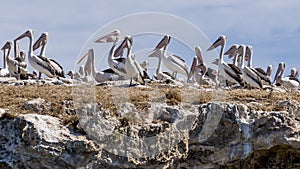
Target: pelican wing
(109, 71)
(260, 70)
(44, 62)
(236, 69)
(294, 78)
(179, 61)
(253, 75)
(56, 63)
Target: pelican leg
(40, 75)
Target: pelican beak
(119, 51)
(269, 70)
(7, 45)
(164, 42)
(218, 42)
(110, 37)
(41, 41)
(279, 69)
(87, 54)
(193, 66)
(199, 54)
(25, 34)
(231, 51)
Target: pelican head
(43, 39)
(113, 36)
(164, 42)
(269, 70)
(7, 45)
(232, 50)
(242, 49)
(28, 33)
(249, 52)
(219, 42)
(279, 72)
(294, 72)
(126, 43)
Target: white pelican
(20, 55)
(230, 72)
(159, 75)
(249, 75)
(265, 77)
(287, 82)
(174, 63)
(199, 69)
(42, 42)
(116, 64)
(13, 65)
(105, 75)
(40, 63)
(4, 72)
(133, 68)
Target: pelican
(265, 77)
(172, 62)
(4, 72)
(116, 64)
(229, 71)
(249, 75)
(105, 75)
(42, 42)
(40, 63)
(20, 55)
(13, 65)
(198, 66)
(287, 82)
(159, 75)
(132, 67)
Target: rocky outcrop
(212, 135)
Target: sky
(271, 27)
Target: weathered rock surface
(213, 135)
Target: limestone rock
(37, 105)
(212, 135)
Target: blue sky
(271, 27)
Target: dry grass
(13, 98)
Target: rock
(39, 141)
(37, 105)
(212, 135)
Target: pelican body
(14, 67)
(199, 69)
(42, 42)
(40, 63)
(290, 83)
(263, 75)
(174, 63)
(116, 64)
(105, 75)
(230, 72)
(249, 75)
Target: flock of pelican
(239, 73)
